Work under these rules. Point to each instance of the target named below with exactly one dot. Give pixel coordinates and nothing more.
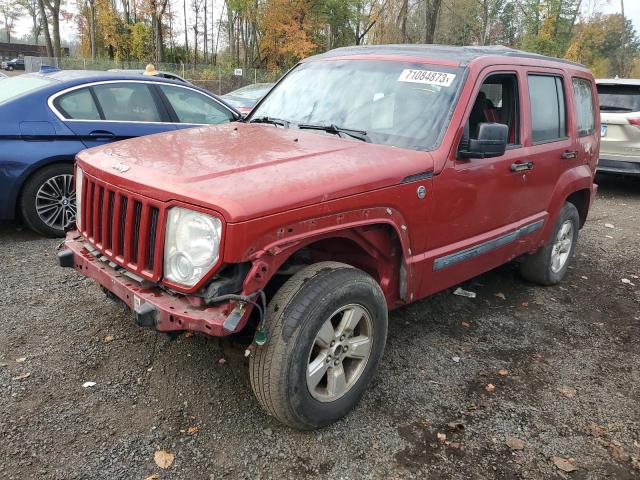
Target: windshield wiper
(333, 128)
(271, 120)
(619, 109)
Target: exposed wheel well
(580, 199)
(374, 249)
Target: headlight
(191, 245)
(78, 196)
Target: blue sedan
(46, 118)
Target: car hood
(244, 171)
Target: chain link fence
(215, 78)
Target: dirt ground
(569, 357)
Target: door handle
(567, 154)
(101, 135)
(521, 167)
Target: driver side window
(497, 102)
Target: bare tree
(186, 31)
(45, 28)
(10, 12)
(53, 8)
(196, 7)
(31, 6)
(431, 12)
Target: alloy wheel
(56, 201)
(339, 353)
(562, 246)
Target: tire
(321, 295)
(10, 68)
(540, 267)
(47, 181)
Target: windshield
(619, 98)
(396, 103)
(16, 86)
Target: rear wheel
(326, 330)
(48, 201)
(549, 265)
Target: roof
(634, 82)
(464, 55)
(80, 76)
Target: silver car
(620, 130)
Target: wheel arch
(372, 240)
(29, 173)
(575, 186)
(581, 199)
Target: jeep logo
(121, 167)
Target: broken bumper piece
(152, 306)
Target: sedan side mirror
(491, 142)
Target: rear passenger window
(548, 114)
(127, 102)
(194, 107)
(78, 105)
(584, 106)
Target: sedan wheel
(48, 200)
(56, 202)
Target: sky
(68, 29)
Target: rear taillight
(634, 121)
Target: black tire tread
(28, 190)
(266, 367)
(535, 268)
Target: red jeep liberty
(368, 178)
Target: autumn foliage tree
(286, 32)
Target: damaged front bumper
(152, 306)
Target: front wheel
(48, 201)
(326, 330)
(549, 265)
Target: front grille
(123, 226)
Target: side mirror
(491, 142)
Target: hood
(244, 171)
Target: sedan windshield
(394, 103)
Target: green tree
(608, 44)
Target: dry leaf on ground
(501, 295)
(503, 372)
(618, 453)
(108, 338)
(466, 324)
(163, 458)
(192, 430)
(21, 359)
(459, 426)
(22, 377)
(565, 464)
(515, 443)
(568, 392)
(490, 387)
(442, 437)
(155, 476)
(596, 430)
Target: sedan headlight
(191, 245)
(79, 177)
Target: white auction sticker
(426, 76)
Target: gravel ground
(570, 354)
